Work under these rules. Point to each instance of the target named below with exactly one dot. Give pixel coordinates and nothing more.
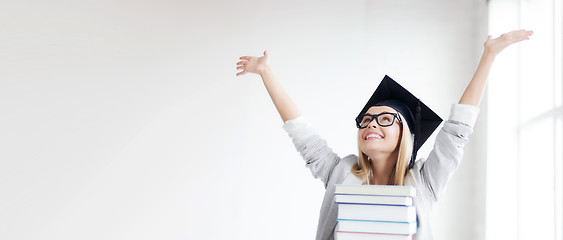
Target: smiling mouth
(373, 136)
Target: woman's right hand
(253, 64)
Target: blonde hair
(363, 170)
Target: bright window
(525, 130)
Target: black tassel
(416, 135)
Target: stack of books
(375, 212)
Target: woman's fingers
(524, 32)
(241, 66)
(518, 35)
(525, 35)
(496, 45)
(252, 64)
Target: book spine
(375, 212)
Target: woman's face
(376, 141)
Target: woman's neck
(382, 168)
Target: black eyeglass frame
(376, 117)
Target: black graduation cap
(421, 120)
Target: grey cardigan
(429, 176)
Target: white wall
(124, 119)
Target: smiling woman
(386, 155)
(386, 162)
(382, 139)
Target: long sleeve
(319, 158)
(447, 153)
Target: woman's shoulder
(343, 171)
(418, 165)
(347, 162)
(350, 159)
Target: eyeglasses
(383, 119)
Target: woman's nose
(373, 124)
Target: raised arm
(447, 153)
(319, 158)
(260, 65)
(474, 91)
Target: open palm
(251, 64)
(496, 45)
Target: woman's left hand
(474, 91)
(495, 45)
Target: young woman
(391, 128)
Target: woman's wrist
(266, 70)
(489, 55)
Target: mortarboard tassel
(416, 135)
